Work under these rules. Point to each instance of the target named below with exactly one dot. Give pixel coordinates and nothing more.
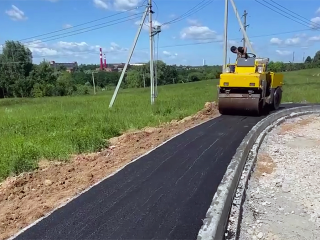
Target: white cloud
(81, 52)
(71, 50)
(275, 41)
(169, 54)
(155, 23)
(16, 14)
(67, 26)
(283, 53)
(101, 4)
(119, 5)
(41, 49)
(200, 33)
(301, 35)
(315, 23)
(286, 42)
(126, 4)
(314, 38)
(116, 48)
(318, 11)
(292, 41)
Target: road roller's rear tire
(277, 97)
(260, 108)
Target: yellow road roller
(247, 87)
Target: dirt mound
(29, 196)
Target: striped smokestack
(101, 65)
(105, 61)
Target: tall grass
(54, 128)
(303, 85)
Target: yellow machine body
(248, 86)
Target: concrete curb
(215, 223)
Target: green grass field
(54, 128)
(303, 85)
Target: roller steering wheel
(252, 55)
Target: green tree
(81, 77)
(316, 58)
(308, 60)
(44, 75)
(37, 91)
(195, 76)
(134, 79)
(61, 68)
(65, 84)
(16, 65)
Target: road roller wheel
(260, 108)
(277, 96)
(240, 106)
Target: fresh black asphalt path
(163, 195)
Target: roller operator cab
(248, 87)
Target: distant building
(70, 67)
(138, 64)
(116, 65)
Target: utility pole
(129, 58)
(225, 40)
(93, 83)
(244, 26)
(144, 80)
(241, 26)
(293, 57)
(155, 31)
(303, 58)
(151, 53)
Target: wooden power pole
(245, 25)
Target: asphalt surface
(163, 195)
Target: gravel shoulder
(30, 196)
(283, 197)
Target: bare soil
(30, 196)
(289, 126)
(265, 165)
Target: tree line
(20, 77)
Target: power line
(187, 44)
(78, 25)
(191, 11)
(174, 20)
(295, 13)
(80, 31)
(56, 38)
(202, 4)
(281, 13)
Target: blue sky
(187, 41)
